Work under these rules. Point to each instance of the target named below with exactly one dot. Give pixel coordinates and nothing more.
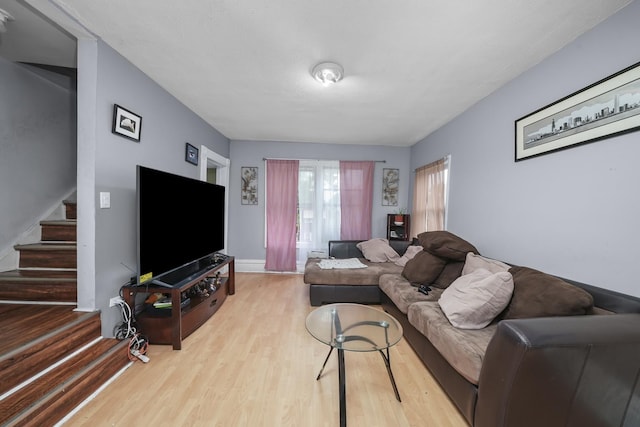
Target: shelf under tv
(172, 329)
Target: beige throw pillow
(474, 262)
(409, 254)
(377, 250)
(475, 299)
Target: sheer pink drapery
(282, 201)
(356, 200)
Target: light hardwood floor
(254, 364)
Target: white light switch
(105, 200)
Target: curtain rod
(324, 160)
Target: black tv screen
(180, 221)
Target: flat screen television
(180, 225)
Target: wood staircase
(51, 357)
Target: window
(430, 196)
(318, 205)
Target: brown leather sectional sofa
(545, 371)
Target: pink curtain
(282, 201)
(356, 200)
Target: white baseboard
(257, 266)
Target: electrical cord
(125, 329)
(138, 348)
(138, 343)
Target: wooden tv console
(173, 328)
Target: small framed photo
(126, 123)
(191, 154)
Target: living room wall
(37, 148)
(246, 225)
(166, 126)
(572, 213)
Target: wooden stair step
(59, 230)
(39, 285)
(49, 398)
(71, 209)
(35, 336)
(41, 273)
(48, 255)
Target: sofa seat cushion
(464, 349)
(402, 293)
(313, 274)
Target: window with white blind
(430, 194)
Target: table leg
(387, 363)
(342, 389)
(324, 364)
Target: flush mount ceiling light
(4, 17)
(327, 73)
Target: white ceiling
(410, 65)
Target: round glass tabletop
(353, 327)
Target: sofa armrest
(562, 371)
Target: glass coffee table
(354, 327)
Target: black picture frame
(191, 154)
(606, 108)
(126, 124)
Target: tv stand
(173, 328)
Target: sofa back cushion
(537, 294)
(445, 245)
(423, 268)
(348, 248)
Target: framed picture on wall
(126, 123)
(191, 154)
(606, 108)
(390, 184)
(249, 185)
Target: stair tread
(21, 324)
(41, 274)
(65, 222)
(61, 381)
(47, 246)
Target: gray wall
(37, 148)
(246, 225)
(572, 213)
(166, 126)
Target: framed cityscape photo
(606, 108)
(191, 154)
(126, 123)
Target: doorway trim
(209, 158)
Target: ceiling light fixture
(4, 17)
(328, 73)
